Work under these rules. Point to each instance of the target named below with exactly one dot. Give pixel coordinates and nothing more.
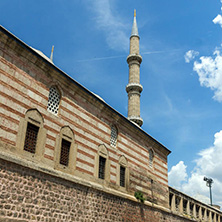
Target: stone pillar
(210, 216)
(181, 205)
(200, 213)
(188, 207)
(173, 205)
(215, 217)
(194, 211)
(205, 214)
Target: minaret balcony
(134, 87)
(136, 119)
(134, 57)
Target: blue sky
(178, 103)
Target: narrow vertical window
(150, 158)
(54, 99)
(102, 164)
(113, 137)
(122, 176)
(64, 156)
(31, 138)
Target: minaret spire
(134, 28)
(134, 88)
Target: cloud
(190, 55)
(218, 20)
(112, 24)
(208, 164)
(178, 174)
(209, 70)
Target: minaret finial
(134, 12)
(51, 57)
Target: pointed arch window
(31, 135)
(102, 166)
(113, 137)
(65, 152)
(122, 173)
(54, 99)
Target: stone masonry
(30, 195)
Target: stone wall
(30, 195)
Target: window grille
(122, 176)
(53, 102)
(113, 138)
(150, 158)
(64, 156)
(31, 138)
(102, 164)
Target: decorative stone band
(136, 119)
(134, 57)
(134, 87)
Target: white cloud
(209, 70)
(190, 55)
(208, 164)
(112, 25)
(218, 20)
(178, 174)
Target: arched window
(65, 152)
(102, 166)
(31, 135)
(151, 156)
(54, 99)
(113, 137)
(122, 174)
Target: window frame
(34, 117)
(103, 152)
(102, 167)
(66, 134)
(123, 163)
(122, 168)
(28, 137)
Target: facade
(66, 155)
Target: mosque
(66, 155)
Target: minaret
(134, 88)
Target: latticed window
(113, 138)
(151, 158)
(122, 176)
(102, 164)
(64, 156)
(31, 138)
(53, 102)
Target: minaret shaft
(134, 88)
